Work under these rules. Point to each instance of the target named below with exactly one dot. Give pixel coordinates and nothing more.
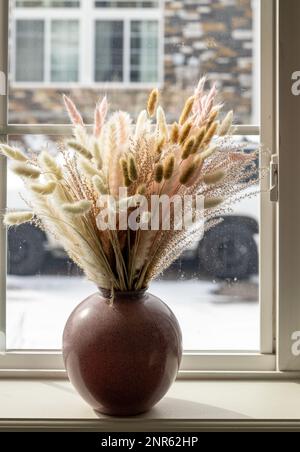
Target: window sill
(189, 406)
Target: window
(143, 51)
(109, 40)
(110, 43)
(64, 50)
(113, 57)
(33, 57)
(226, 325)
(30, 50)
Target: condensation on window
(212, 288)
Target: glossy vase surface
(122, 356)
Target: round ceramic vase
(122, 355)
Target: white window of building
(143, 51)
(64, 51)
(109, 45)
(60, 42)
(30, 50)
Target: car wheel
(229, 251)
(26, 251)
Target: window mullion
(47, 58)
(86, 43)
(161, 44)
(4, 8)
(66, 129)
(127, 51)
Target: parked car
(230, 249)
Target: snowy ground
(212, 316)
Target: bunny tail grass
(12, 153)
(77, 208)
(17, 218)
(43, 189)
(23, 170)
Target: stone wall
(212, 37)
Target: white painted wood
(189, 405)
(126, 50)
(44, 360)
(86, 42)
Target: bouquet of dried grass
(195, 156)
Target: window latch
(274, 178)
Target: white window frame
(265, 362)
(87, 15)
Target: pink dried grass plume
(100, 116)
(74, 114)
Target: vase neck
(119, 295)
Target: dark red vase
(123, 356)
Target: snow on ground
(39, 306)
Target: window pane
(48, 3)
(144, 51)
(212, 289)
(64, 51)
(109, 51)
(29, 51)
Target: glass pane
(64, 50)
(43, 286)
(109, 51)
(144, 51)
(212, 289)
(218, 38)
(48, 3)
(29, 51)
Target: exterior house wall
(211, 37)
